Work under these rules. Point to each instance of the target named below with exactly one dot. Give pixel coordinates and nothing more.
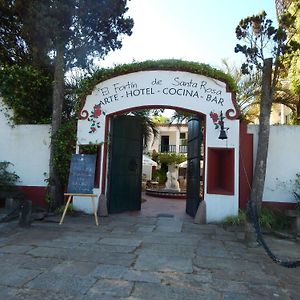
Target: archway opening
(191, 87)
(162, 177)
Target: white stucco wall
(283, 161)
(27, 147)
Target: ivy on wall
(28, 93)
(64, 142)
(88, 84)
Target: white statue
(172, 182)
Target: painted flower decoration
(215, 118)
(95, 114)
(97, 111)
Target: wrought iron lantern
(223, 134)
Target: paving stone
(208, 229)
(7, 293)
(167, 250)
(32, 236)
(223, 285)
(110, 248)
(290, 275)
(111, 287)
(110, 271)
(17, 249)
(224, 263)
(121, 242)
(157, 291)
(31, 294)
(16, 277)
(142, 276)
(40, 263)
(187, 280)
(48, 261)
(293, 291)
(168, 225)
(59, 244)
(253, 276)
(144, 228)
(240, 296)
(268, 291)
(161, 263)
(212, 251)
(79, 254)
(10, 259)
(80, 238)
(120, 272)
(75, 268)
(167, 239)
(52, 281)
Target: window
(182, 135)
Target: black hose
(252, 210)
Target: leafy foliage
(268, 219)
(91, 80)
(248, 91)
(290, 90)
(149, 129)
(159, 175)
(261, 38)
(170, 158)
(261, 41)
(28, 92)
(296, 190)
(238, 220)
(8, 179)
(64, 142)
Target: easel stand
(70, 196)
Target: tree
(25, 72)
(289, 92)
(149, 129)
(82, 31)
(69, 33)
(248, 91)
(262, 40)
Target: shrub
(7, 179)
(240, 219)
(268, 219)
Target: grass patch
(268, 219)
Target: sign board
(170, 89)
(82, 174)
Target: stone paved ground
(134, 257)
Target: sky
(194, 30)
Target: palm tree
(148, 126)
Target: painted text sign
(82, 174)
(146, 89)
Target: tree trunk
(55, 186)
(263, 136)
(259, 175)
(298, 112)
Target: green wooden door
(125, 165)
(193, 166)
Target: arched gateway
(159, 85)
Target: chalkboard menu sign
(82, 174)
